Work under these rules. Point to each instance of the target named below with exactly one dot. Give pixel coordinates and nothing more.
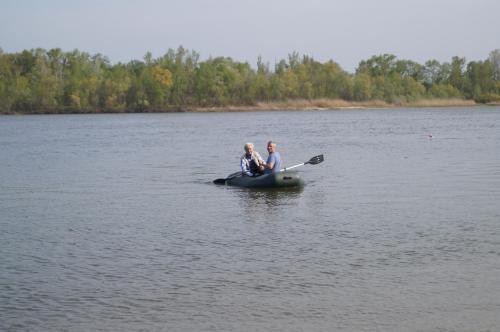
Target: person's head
(271, 147)
(248, 148)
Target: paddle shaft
(294, 166)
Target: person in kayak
(251, 162)
(273, 163)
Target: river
(112, 222)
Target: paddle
(313, 161)
(223, 181)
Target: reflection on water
(268, 198)
(262, 204)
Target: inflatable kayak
(282, 179)
(272, 180)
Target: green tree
(7, 82)
(456, 77)
(494, 59)
(114, 88)
(45, 89)
(433, 73)
(444, 90)
(210, 89)
(183, 65)
(380, 65)
(38, 81)
(362, 87)
(479, 81)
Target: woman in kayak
(251, 162)
(273, 163)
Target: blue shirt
(276, 159)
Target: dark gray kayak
(272, 180)
(282, 179)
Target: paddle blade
(220, 181)
(316, 160)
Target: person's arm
(259, 159)
(270, 162)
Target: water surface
(111, 222)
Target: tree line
(38, 80)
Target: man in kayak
(273, 163)
(251, 162)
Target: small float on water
(282, 179)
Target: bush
(486, 98)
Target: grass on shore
(324, 104)
(292, 105)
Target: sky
(345, 31)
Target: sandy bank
(289, 105)
(333, 104)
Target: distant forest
(41, 81)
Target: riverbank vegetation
(53, 81)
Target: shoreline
(336, 104)
(290, 105)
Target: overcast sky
(345, 31)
